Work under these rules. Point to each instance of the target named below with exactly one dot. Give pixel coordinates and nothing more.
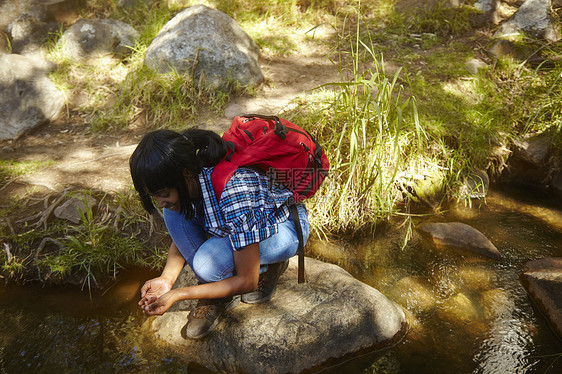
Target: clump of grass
(370, 134)
(168, 100)
(438, 18)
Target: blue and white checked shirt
(249, 210)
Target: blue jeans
(211, 258)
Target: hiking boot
(267, 284)
(203, 320)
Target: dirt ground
(77, 158)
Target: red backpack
(286, 152)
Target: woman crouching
(237, 248)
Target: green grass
(112, 235)
(10, 169)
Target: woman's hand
(158, 305)
(153, 289)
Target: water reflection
(469, 314)
(507, 349)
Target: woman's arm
(159, 286)
(247, 263)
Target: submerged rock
(330, 317)
(459, 309)
(414, 294)
(543, 281)
(496, 303)
(459, 236)
(476, 278)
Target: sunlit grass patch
(10, 169)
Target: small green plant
(113, 232)
(92, 248)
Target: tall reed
(372, 137)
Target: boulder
(28, 34)
(29, 98)
(533, 163)
(532, 150)
(89, 39)
(331, 317)
(533, 17)
(458, 236)
(542, 279)
(10, 10)
(209, 45)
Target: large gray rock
(28, 97)
(10, 10)
(89, 39)
(28, 34)
(533, 17)
(543, 280)
(210, 45)
(459, 236)
(328, 318)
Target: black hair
(162, 157)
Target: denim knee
(214, 260)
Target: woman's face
(168, 198)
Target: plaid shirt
(249, 210)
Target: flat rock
(331, 317)
(71, 209)
(543, 281)
(459, 236)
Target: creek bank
(542, 279)
(329, 318)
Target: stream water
(466, 314)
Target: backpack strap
(298, 228)
(280, 129)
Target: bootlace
(201, 311)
